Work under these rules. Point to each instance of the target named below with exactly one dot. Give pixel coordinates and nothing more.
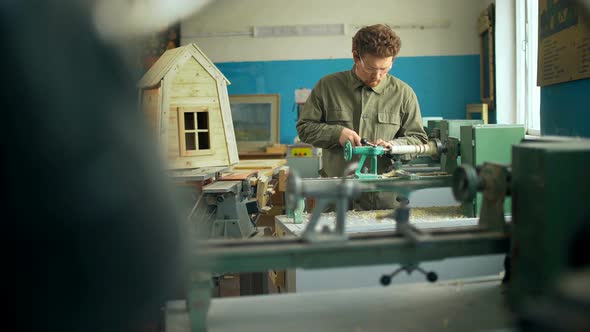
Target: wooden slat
(261, 190)
(182, 78)
(150, 105)
(194, 101)
(193, 72)
(194, 65)
(194, 162)
(173, 149)
(283, 174)
(232, 147)
(193, 90)
(207, 64)
(159, 69)
(260, 164)
(197, 174)
(170, 60)
(165, 111)
(239, 175)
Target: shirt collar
(356, 83)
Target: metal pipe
(330, 187)
(252, 256)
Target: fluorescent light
(299, 30)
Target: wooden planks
(232, 147)
(238, 175)
(150, 105)
(193, 90)
(268, 167)
(260, 164)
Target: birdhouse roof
(175, 56)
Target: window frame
(275, 121)
(182, 131)
(528, 94)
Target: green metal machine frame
(322, 249)
(450, 132)
(550, 191)
(550, 225)
(371, 152)
(488, 143)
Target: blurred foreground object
(115, 19)
(82, 181)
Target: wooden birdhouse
(184, 96)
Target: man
(365, 102)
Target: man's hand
(383, 143)
(349, 135)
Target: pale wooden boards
(267, 167)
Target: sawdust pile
(421, 214)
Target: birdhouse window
(194, 133)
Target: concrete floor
(460, 305)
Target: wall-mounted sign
(564, 43)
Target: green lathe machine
(436, 160)
(546, 245)
(433, 148)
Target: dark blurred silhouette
(88, 213)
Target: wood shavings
(420, 214)
(390, 174)
(436, 213)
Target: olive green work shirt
(389, 111)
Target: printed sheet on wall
(564, 42)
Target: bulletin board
(564, 43)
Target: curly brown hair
(379, 40)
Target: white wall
(230, 16)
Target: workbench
(301, 280)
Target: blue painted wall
(443, 84)
(565, 109)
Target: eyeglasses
(371, 70)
